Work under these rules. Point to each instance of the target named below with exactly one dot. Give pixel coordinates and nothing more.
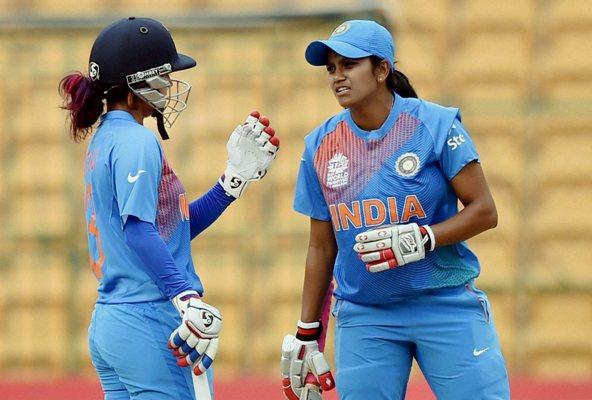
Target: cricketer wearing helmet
(150, 319)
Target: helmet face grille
(178, 94)
(167, 96)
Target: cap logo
(93, 71)
(341, 29)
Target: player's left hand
(389, 247)
(251, 149)
(195, 341)
(305, 371)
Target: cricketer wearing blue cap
(381, 182)
(354, 39)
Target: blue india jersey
(126, 174)
(397, 174)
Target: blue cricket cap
(354, 39)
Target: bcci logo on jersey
(407, 165)
(337, 171)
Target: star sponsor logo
(132, 178)
(338, 171)
(455, 141)
(407, 165)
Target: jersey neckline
(379, 133)
(118, 114)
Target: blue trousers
(128, 348)
(450, 332)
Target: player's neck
(137, 113)
(372, 112)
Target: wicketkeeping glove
(251, 149)
(195, 341)
(305, 371)
(389, 247)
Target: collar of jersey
(386, 125)
(118, 114)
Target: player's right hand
(195, 341)
(389, 247)
(251, 148)
(305, 370)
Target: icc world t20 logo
(338, 171)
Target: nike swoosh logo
(477, 353)
(132, 178)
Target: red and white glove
(390, 247)
(305, 370)
(195, 341)
(251, 148)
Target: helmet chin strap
(160, 125)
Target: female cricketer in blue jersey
(380, 182)
(139, 220)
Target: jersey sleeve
(308, 197)
(136, 171)
(457, 151)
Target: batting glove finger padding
(305, 370)
(265, 135)
(251, 149)
(207, 358)
(388, 247)
(195, 342)
(380, 255)
(292, 382)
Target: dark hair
(396, 81)
(84, 102)
(83, 99)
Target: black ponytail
(399, 83)
(396, 81)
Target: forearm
(475, 218)
(206, 209)
(143, 238)
(317, 278)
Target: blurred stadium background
(521, 71)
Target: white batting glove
(195, 341)
(305, 371)
(251, 149)
(390, 247)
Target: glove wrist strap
(309, 331)
(180, 300)
(233, 184)
(429, 240)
